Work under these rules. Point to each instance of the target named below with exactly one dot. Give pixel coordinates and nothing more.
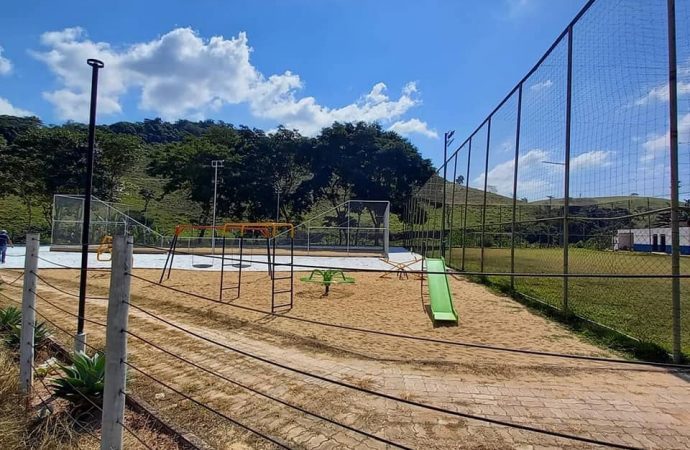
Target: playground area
(393, 348)
(643, 406)
(531, 291)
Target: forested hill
(161, 169)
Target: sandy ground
(649, 408)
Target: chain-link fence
(355, 226)
(107, 219)
(567, 192)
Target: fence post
(26, 349)
(416, 224)
(386, 229)
(116, 345)
(486, 180)
(427, 225)
(467, 193)
(566, 182)
(452, 206)
(348, 228)
(446, 137)
(515, 184)
(673, 134)
(308, 238)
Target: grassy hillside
(162, 214)
(630, 202)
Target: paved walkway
(640, 408)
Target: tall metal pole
(446, 138)
(515, 183)
(278, 204)
(80, 338)
(467, 193)
(216, 163)
(673, 134)
(486, 180)
(452, 204)
(566, 181)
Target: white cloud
(660, 143)
(180, 74)
(6, 108)
(591, 159)
(532, 177)
(407, 127)
(540, 86)
(660, 93)
(517, 8)
(5, 64)
(535, 178)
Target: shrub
(82, 382)
(41, 336)
(10, 317)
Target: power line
(70, 267)
(50, 285)
(66, 311)
(45, 402)
(268, 396)
(422, 338)
(15, 280)
(98, 407)
(57, 327)
(384, 395)
(208, 408)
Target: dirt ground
(639, 407)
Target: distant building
(651, 240)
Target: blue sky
(462, 56)
(417, 67)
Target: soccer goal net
(107, 219)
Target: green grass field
(640, 308)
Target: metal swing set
(281, 286)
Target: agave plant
(9, 318)
(14, 336)
(82, 382)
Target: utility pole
(216, 163)
(80, 338)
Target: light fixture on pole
(216, 163)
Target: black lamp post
(80, 339)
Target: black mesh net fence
(571, 175)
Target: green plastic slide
(439, 292)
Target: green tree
(186, 166)
(11, 126)
(364, 161)
(44, 161)
(284, 167)
(117, 154)
(147, 195)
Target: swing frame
(269, 231)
